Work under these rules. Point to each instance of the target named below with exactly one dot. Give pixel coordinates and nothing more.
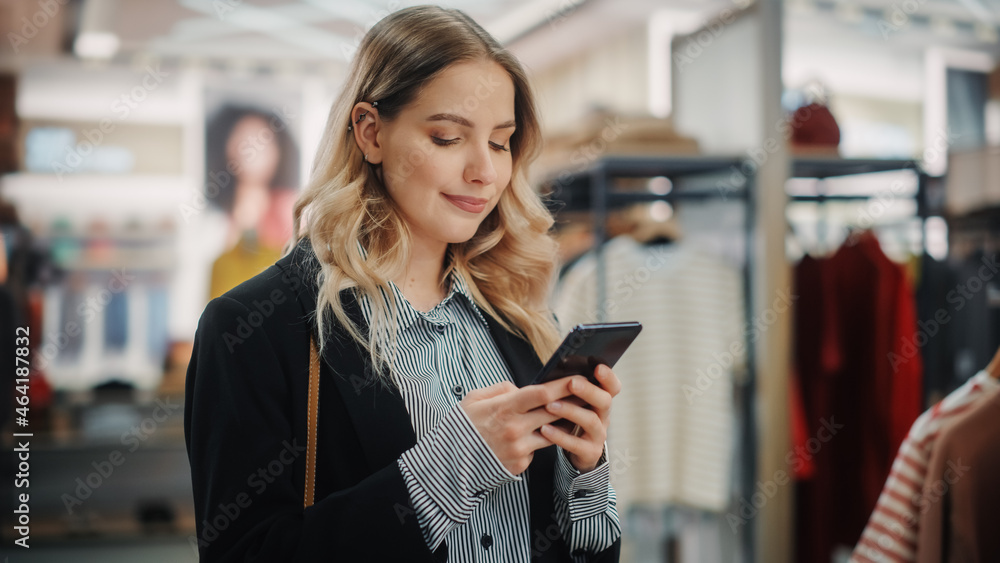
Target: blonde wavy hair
(509, 263)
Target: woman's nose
(480, 167)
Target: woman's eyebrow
(465, 122)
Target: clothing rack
(821, 169)
(589, 189)
(825, 168)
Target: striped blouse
(891, 534)
(462, 494)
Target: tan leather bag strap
(311, 417)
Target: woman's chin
(460, 239)
(460, 235)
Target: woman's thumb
(494, 390)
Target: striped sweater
(892, 530)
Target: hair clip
(362, 116)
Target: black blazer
(245, 427)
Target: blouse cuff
(586, 494)
(454, 467)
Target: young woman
(421, 273)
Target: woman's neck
(250, 203)
(420, 282)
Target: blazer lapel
(380, 419)
(378, 412)
(520, 356)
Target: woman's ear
(366, 125)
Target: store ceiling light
(660, 185)
(529, 16)
(979, 10)
(96, 38)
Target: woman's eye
(445, 142)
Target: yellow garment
(243, 261)
(912, 266)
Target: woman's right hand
(509, 418)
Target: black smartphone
(586, 346)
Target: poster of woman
(251, 176)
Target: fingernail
(555, 405)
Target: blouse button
(457, 390)
(439, 329)
(486, 541)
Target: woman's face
(446, 157)
(252, 150)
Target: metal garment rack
(824, 168)
(590, 189)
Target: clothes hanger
(648, 230)
(795, 250)
(657, 232)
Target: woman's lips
(470, 204)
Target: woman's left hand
(590, 411)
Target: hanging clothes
(158, 339)
(891, 533)
(975, 333)
(961, 494)
(673, 422)
(936, 282)
(860, 371)
(817, 358)
(72, 299)
(116, 328)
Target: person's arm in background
(893, 529)
(240, 439)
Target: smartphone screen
(586, 346)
